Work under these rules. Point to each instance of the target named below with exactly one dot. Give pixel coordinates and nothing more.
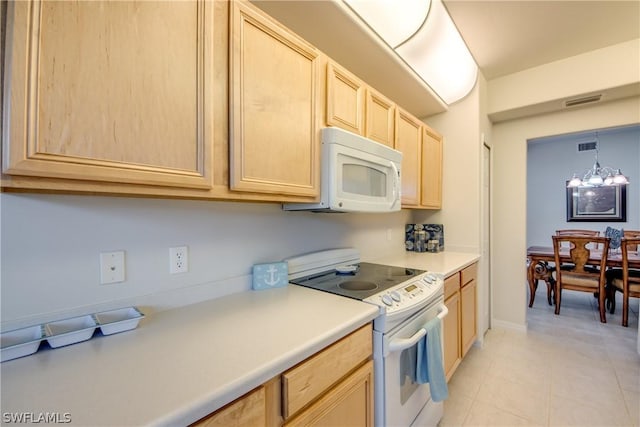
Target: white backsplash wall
(50, 246)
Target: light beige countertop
(445, 262)
(179, 365)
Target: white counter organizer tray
(115, 321)
(21, 342)
(70, 331)
(26, 341)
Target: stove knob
(386, 300)
(428, 279)
(396, 296)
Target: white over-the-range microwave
(357, 175)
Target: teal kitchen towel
(430, 368)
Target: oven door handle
(443, 312)
(399, 344)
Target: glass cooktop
(365, 280)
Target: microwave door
(365, 183)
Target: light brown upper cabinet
(408, 137)
(431, 182)
(345, 99)
(380, 118)
(109, 91)
(421, 149)
(275, 107)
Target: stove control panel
(409, 294)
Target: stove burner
(357, 285)
(367, 280)
(389, 271)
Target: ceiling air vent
(587, 146)
(583, 100)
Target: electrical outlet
(112, 267)
(178, 260)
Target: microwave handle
(396, 185)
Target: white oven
(408, 299)
(403, 402)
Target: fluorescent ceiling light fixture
(393, 20)
(434, 50)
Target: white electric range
(408, 298)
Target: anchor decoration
(271, 275)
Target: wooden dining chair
(625, 280)
(544, 270)
(578, 232)
(631, 234)
(580, 274)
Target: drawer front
(451, 285)
(350, 403)
(469, 273)
(305, 382)
(247, 411)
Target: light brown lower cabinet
(332, 387)
(451, 336)
(350, 403)
(468, 321)
(247, 411)
(460, 325)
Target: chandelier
(598, 175)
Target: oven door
(400, 400)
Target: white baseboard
(508, 325)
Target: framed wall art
(597, 204)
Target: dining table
(538, 258)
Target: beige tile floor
(566, 370)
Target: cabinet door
(380, 118)
(274, 139)
(408, 141)
(350, 403)
(345, 99)
(310, 379)
(247, 411)
(431, 170)
(110, 91)
(451, 332)
(468, 315)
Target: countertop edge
(183, 364)
(445, 262)
(243, 385)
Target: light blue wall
(552, 160)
